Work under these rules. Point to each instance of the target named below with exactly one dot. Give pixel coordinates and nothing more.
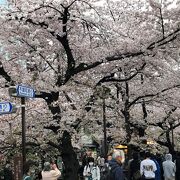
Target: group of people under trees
(153, 167)
(102, 171)
(142, 166)
(49, 172)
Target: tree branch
(5, 75)
(162, 21)
(165, 40)
(69, 100)
(53, 145)
(110, 78)
(152, 95)
(22, 40)
(46, 6)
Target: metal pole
(172, 136)
(10, 128)
(23, 132)
(104, 127)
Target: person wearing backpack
(8, 172)
(27, 178)
(26, 175)
(158, 171)
(91, 171)
(116, 171)
(135, 167)
(177, 163)
(105, 171)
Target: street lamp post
(23, 131)
(104, 127)
(103, 92)
(172, 134)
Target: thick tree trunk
(127, 114)
(127, 125)
(142, 129)
(170, 143)
(69, 158)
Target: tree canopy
(66, 49)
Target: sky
(2, 2)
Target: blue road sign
(6, 108)
(25, 91)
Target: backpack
(106, 173)
(134, 166)
(26, 177)
(137, 175)
(90, 178)
(93, 169)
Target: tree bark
(69, 158)
(126, 113)
(142, 129)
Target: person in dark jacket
(158, 171)
(26, 175)
(177, 162)
(135, 167)
(8, 172)
(115, 165)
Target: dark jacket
(134, 167)
(158, 171)
(8, 173)
(116, 170)
(177, 161)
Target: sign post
(23, 131)
(23, 92)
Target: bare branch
(5, 75)
(22, 40)
(45, 6)
(162, 21)
(165, 40)
(152, 95)
(110, 78)
(110, 11)
(69, 100)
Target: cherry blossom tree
(65, 48)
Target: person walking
(85, 158)
(177, 162)
(50, 172)
(148, 168)
(8, 172)
(169, 168)
(27, 175)
(116, 172)
(105, 170)
(158, 171)
(91, 170)
(134, 167)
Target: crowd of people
(49, 172)
(142, 166)
(153, 167)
